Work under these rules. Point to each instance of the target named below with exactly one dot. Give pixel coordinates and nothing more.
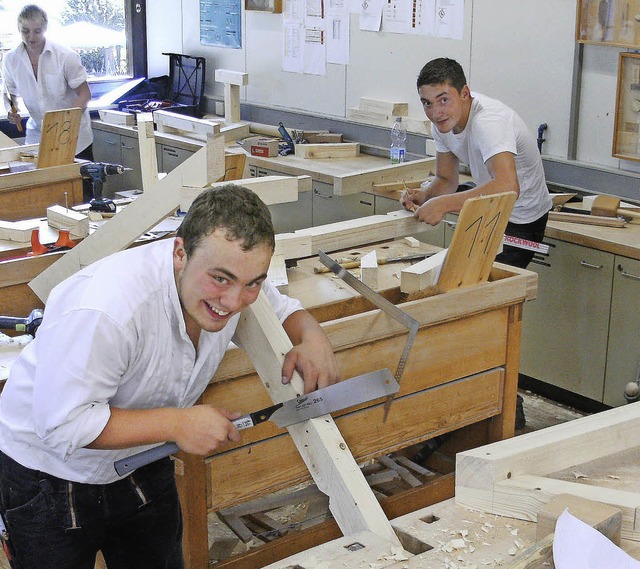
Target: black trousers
(533, 231)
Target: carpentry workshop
(358, 285)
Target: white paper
(577, 545)
(449, 19)
(424, 18)
(315, 49)
(338, 38)
(292, 58)
(371, 15)
(398, 16)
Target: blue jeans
(136, 522)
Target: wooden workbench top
(623, 241)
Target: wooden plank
(111, 116)
(13, 152)
(19, 231)
(338, 150)
(39, 177)
(423, 274)
(364, 180)
(233, 77)
(63, 218)
(319, 442)
(392, 108)
(586, 219)
(140, 216)
(369, 269)
(6, 141)
(59, 137)
(193, 127)
(148, 151)
(476, 240)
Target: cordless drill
(97, 172)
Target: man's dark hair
(32, 12)
(236, 210)
(440, 71)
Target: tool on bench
(381, 261)
(347, 393)
(97, 172)
(287, 138)
(29, 324)
(609, 206)
(383, 304)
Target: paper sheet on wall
(371, 15)
(424, 17)
(397, 16)
(338, 38)
(315, 61)
(577, 544)
(449, 21)
(293, 38)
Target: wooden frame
(608, 22)
(516, 478)
(626, 130)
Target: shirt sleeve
(7, 75)
(74, 71)
(81, 359)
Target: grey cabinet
(329, 208)
(118, 149)
(169, 157)
(623, 353)
(565, 330)
(287, 217)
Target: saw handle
(126, 465)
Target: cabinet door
(173, 157)
(287, 217)
(565, 330)
(431, 235)
(329, 208)
(131, 179)
(106, 148)
(623, 355)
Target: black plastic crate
(180, 92)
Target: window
(99, 30)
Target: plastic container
(398, 139)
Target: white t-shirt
(113, 334)
(493, 128)
(59, 73)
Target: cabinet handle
(317, 193)
(111, 142)
(628, 275)
(365, 203)
(590, 265)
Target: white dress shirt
(59, 73)
(113, 334)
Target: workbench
(461, 376)
(24, 195)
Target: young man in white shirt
(48, 77)
(494, 142)
(125, 348)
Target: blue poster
(220, 23)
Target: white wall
(518, 51)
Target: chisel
(381, 261)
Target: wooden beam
(319, 442)
(364, 180)
(155, 203)
(423, 274)
(175, 123)
(148, 150)
(61, 217)
(327, 150)
(19, 231)
(386, 107)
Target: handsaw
(354, 391)
(383, 304)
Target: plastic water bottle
(398, 138)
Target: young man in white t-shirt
(494, 142)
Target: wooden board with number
(476, 240)
(59, 137)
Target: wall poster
(220, 23)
